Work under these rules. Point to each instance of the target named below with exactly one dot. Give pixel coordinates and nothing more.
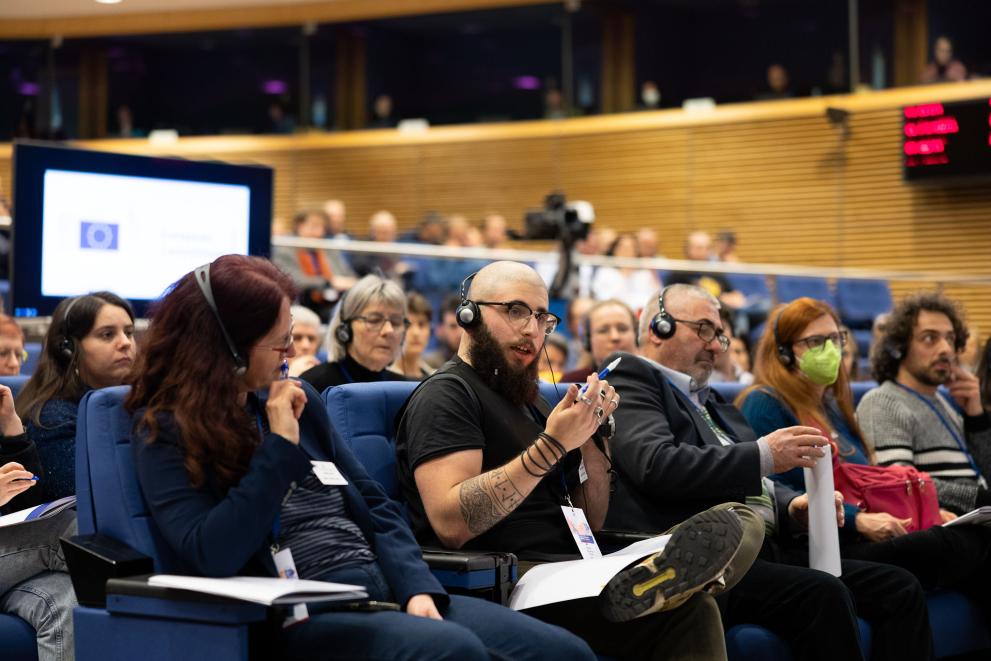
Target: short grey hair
(370, 289)
(671, 293)
(304, 315)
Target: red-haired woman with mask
(798, 377)
(223, 451)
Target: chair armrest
(94, 559)
(134, 596)
(485, 573)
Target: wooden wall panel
(778, 173)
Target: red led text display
(942, 140)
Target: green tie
(762, 504)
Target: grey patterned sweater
(906, 431)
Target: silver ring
(599, 412)
(602, 394)
(614, 401)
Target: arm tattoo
(488, 499)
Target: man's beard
(517, 384)
(930, 376)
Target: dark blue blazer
(223, 534)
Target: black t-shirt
(344, 371)
(442, 417)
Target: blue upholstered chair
(139, 622)
(790, 287)
(859, 301)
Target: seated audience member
(553, 359)
(630, 285)
(225, 468)
(778, 84)
(306, 337)
(320, 275)
(679, 448)
(90, 344)
(698, 247)
(944, 68)
(724, 248)
(364, 336)
(910, 422)
(647, 242)
(739, 351)
(575, 319)
(383, 228)
(984, 375)
(34, 584)
(410, 363)
(611, 326)
(494, 230)
(336, 219)
(12, 353)
(851, 355)
(446, 332)
(799, 380)
(485, 463)
(726, 368)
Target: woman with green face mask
(798, 379)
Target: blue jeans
(471, 629)
(34, 585)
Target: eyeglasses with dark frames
(375, 322)
(519, 313)
(707, 332)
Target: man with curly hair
(913, 422)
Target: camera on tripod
(559, 219)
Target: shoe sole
(696, 556)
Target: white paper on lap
(554, 582)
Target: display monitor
(88, 221)
(943, 141)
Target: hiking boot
(694, 560)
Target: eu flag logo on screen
(98, 236)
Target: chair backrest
(752, 285)
(34, 353)
(790, 287)
(109, 496)
(15, 383)
(859, 301)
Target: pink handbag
(900, 491)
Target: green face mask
(822, 364)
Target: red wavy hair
(185, 369)
(798, 393)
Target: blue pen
(603, 374)
(284, 369)
(33, 478)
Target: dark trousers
(693, 631)
(955, 558)
(816, 612)
(472, 629)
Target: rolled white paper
(824, 538)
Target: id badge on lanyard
(581, 531)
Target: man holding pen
(486, 464)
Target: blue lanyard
(953, 432)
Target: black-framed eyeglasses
(519, 313)
(815, 341)
(707, 332)
(375, 322)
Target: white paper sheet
(262, 590)
(576, 579)
(824, 538)
(37, 512)
(980, 516)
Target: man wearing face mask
(679, 447)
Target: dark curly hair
(887, 354)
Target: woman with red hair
(798, 380)
(232, 461)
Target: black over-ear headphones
(343, 333)
(785, 353)
(67, 345)
(587, 340)
(202, 277)
(467, 314)
(663, 324)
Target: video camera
(559, 219)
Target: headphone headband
(67, 346)
(785, 353)
(468, 314)
(663, 325)
(202, 276)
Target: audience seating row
(159, 624)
